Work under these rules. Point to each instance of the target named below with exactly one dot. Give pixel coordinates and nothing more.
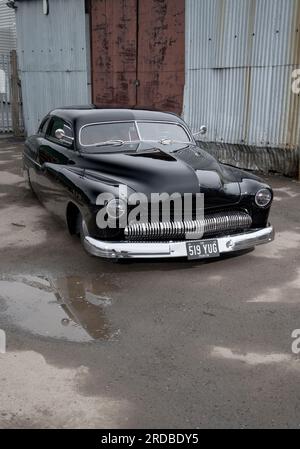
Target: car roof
(85, 114)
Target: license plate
(202, 249)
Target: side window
(58, 123)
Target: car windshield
(117, 133)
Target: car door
(31, 163)
(52, 150)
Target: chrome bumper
(124, 250)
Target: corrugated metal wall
(240, 55)
(7, 28)
(52, 57)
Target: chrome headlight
(116, 208)
(263, 197)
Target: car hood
(153, 169)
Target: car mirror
(202, 131)
(60, 134)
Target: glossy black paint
(62, 174)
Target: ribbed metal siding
(7, 28)
(239, 60)
(52, 57)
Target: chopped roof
(89, 113)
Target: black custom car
(80, 153)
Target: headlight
(116, 208)
(263, 197)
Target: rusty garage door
(138, 53)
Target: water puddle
(69, 308)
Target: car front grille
(212, 224)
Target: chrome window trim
(184, 127)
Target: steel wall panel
(52, 57)
(240, 55)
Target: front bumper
(127, 250)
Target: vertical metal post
(2, 93)
(14, 85)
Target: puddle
(70, 308)
(85, 301)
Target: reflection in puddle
(70, 308)
(84, 301)
(250, 358)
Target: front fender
(82, 190)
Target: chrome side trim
(124, 250)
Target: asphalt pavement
(148, 344)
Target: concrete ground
(155, 344)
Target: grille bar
(211, 224)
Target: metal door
(138, 53)
(161, 54)
(114, 48)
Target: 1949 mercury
(80, 153)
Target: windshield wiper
(110, 142)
